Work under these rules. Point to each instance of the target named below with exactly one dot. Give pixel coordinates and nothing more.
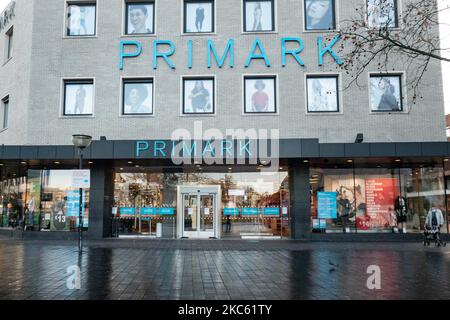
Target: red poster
(380, 199)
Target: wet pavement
(238, 270)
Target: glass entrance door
(199, 215)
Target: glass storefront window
(423, 187)
(13, 192)
(335, 201)
(377, 199)
(252, 204)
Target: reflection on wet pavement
(222, 270)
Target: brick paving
(222, 270)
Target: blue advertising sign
(326, 205)
(73, 206)
(271, 211)
(166, 211)
(230, 211)
(127, 211)
(249, 211)
(148, 211)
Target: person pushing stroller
(433, 223)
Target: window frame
(397, 17)
(80, 3)
(403, 106)
(305, 21)
(273, 77)
(136, 80)
(9, 42)
(127, 3)
(5, 112)
(244, 17)
(213, 17)
(337, 77)
(77, 81)
(183, 91)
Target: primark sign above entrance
(214, 147)
(164, 50)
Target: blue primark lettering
(189, 54)
(193, 149)
(294, 53)
(257, 51)
(221, 61)
(329, 49)
(141, 146)
(227, 147)
(164, 55)
(123, 55)
(253, 55)
(244, 149)
(160, 147)
(209, 149)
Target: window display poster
(72, 206)
(258, 16)
(327, 205)
(380, 199)
(199, 17)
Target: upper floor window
(259, 16)
(386, 93)
(320, 15)
(382, 13)
(9, 43)
(260, 94)
(78, 97)
(81, 19)
(137, 97)
(322, 93)
(198, 16)
(198, 95)
(5, 112)
(140, 17)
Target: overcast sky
(445, 34)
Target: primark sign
(7, 15)
(290, 47)
(215, 147)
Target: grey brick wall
(44, 57)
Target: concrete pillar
(101, 200)
(300, 201)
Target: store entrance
(198, 212)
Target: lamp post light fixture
(81, 141)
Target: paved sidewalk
(158, 269)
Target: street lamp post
(81, 141)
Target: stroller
(433, 234)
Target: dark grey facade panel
(28, 152)
(289, 149)
(382, 150)
(434, 148)
(408, 149)
(355, 150)
(46, 152)
(11, 152)
(310, 148)
(102, 150)
(123, 150)
(65, 153)
(335, 150)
